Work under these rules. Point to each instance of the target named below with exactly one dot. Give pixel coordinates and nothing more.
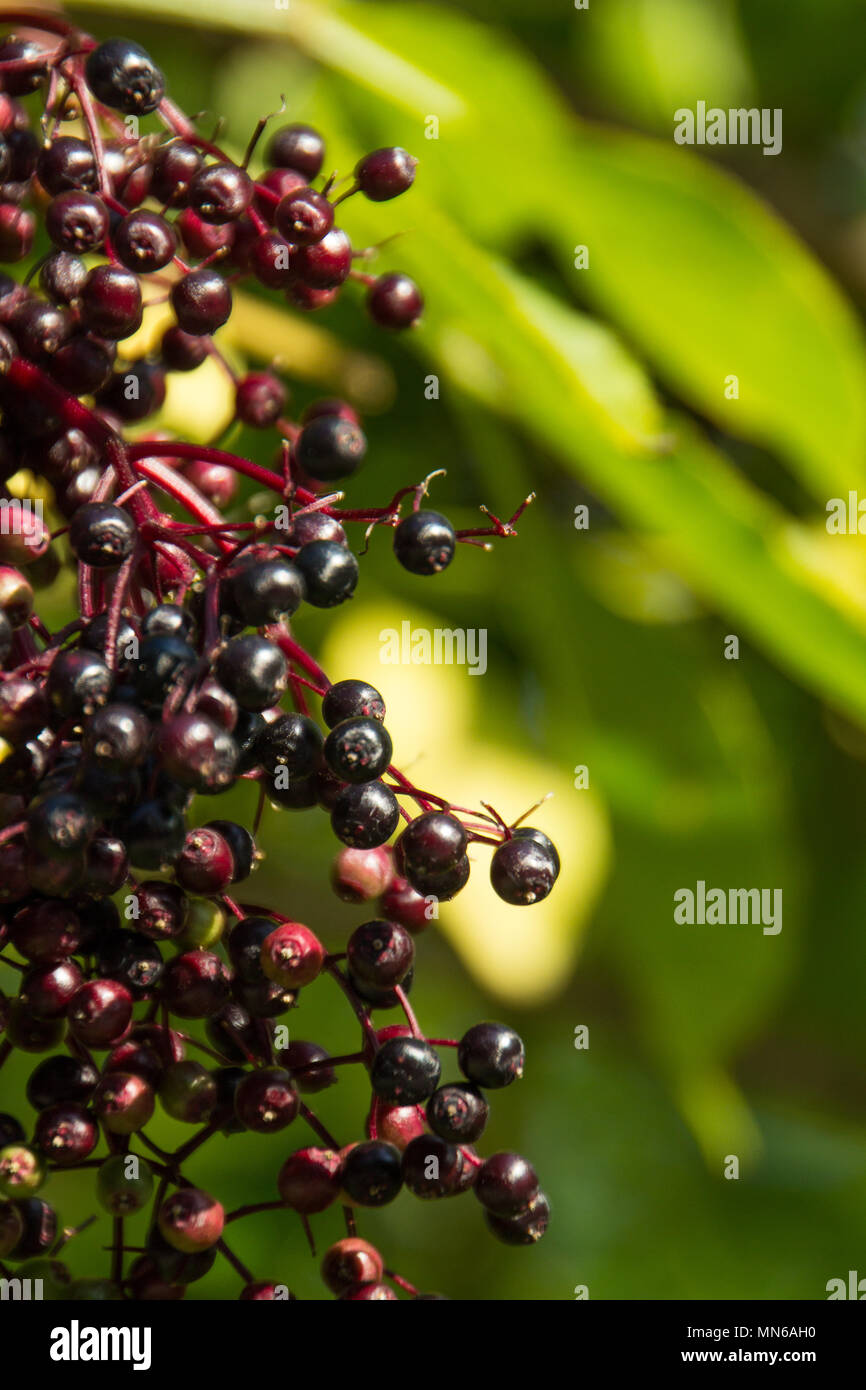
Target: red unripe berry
(190, 1220)
(292, 956)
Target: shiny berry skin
(385, 173)
(365, 816)
(20, 82)
(78, 682)
(46, 931)
(33, 1222)
(309, 1180)
(293, 741)
(197, 753)
(424, 542)
(188, 1092)
(182, 352)
(205, 864)
(297, 147)
(369, 1293)
(327, 263)
(66, 1134)
(304, 217)
(76, 222)
(202, 301)
(359, 875)
(100, 1013)
(266, 1100)
(162, 910)
(111, 304)
(433, 842)
(432, 1167)
(62, 277)
(380, 954)
(358, 750)
(60, 826)
(241, 844)
(491, 1055)
(315, 526)
(190, 1220)
(102, 535)
(40, 329)
(123, 76)
(298, 1057)
(131, 958)
(458, 1112)
(124, 1102)
(372, 1173)
(220, 193)
(259, 400)
(398, 1124)
(405, 1071)
(49, 988)
(117, 736)
(262, 591)
(195, 985)
(81, 365)
(120, 1193)
(254, 671)
(443, 885)
(144, 242)
(106, 866)
(67, 163)
(163, 661)
(174, 167)
(349, 1262)
(330, 572)
(526, 1228)
(350, 699)
(524, 868)
(506, 1184)
(329, 448)
(395, 301)
(61, 1079)
(291, 956)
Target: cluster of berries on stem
(180, 675)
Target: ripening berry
(190, 1220)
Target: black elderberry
(62, 277)
(254, 671)
(424, 542)
(329, 448)
(526, 1228)
(241, 844)
(525, 867)
(197, 753)
(76, 222)
(326, 264)
(220, 193)
(458, 1112)
(131, 958)
(350, 699)
(202, 301)
(304, 217)
(491, 1055)
(395, 301)
(365, 816)
(372, 1173)
(154, 834)
(102, 534)
(61, 1079)
(261, 591)
(405, 1071)
(380, 954)
(144, 242)
(433, 842)
(163, 662)
(297, 147)
(506, 1184)
(330, 573)
(174, 167)
(111, 304)
(432, 1167)
(123, 76)
(293, 741)
(117, 736)
(358, 750)
(385, 173)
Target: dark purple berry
(297, 147)
(372, 1173)
(491, 1055)
(366, 815)
(123, 76)
(380, 954)
(432, 1167)
(329, 448)
(405, 1071)
(202, 301)
(220, 193)
(424, 542)
(395, 301)
(350, 699)
(458, 1112)
(506, 1184)
(144, 242)
(111, 304)
(385, 173)
(254, 671)
(524, 868)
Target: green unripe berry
(22, 1171)
(205, 924)
(124, 1184)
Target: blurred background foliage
(602, 386)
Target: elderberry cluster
(120, 915)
